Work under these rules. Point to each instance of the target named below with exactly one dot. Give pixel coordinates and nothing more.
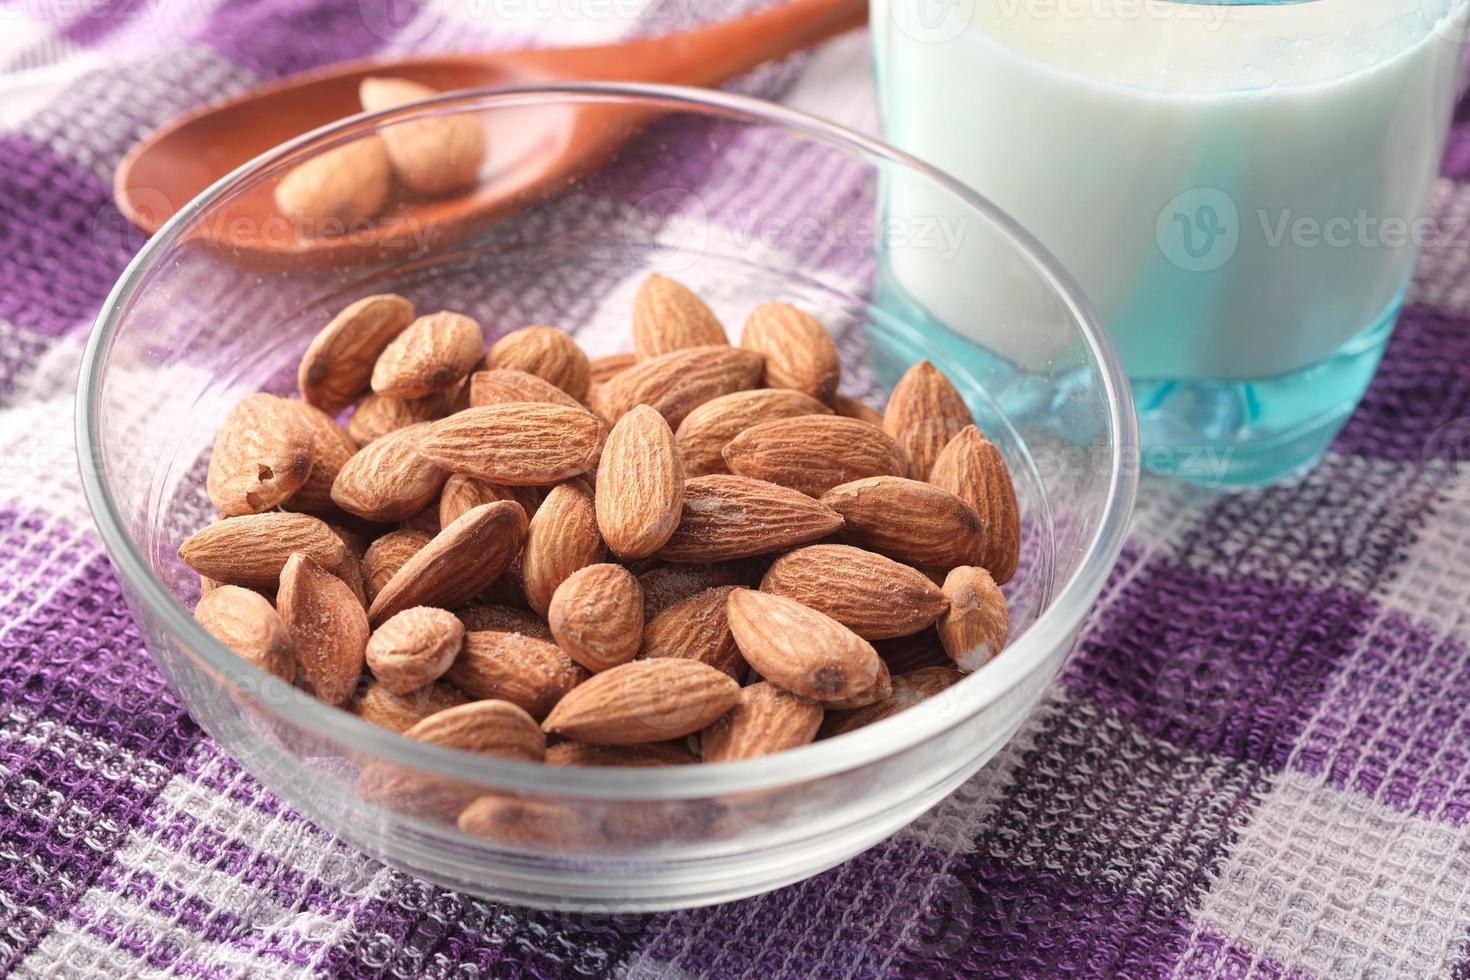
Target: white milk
(1304, 140)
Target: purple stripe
(150, 947)
(1215, 955)
(97, 19)
(279, 37)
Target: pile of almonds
(693, 552)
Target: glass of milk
(1239, 187)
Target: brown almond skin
(261, 456)
(912, 522)
(669, 316)
(669, 584)
(976, 626)
(432, 155)
(249, 625)
(461, 493)
(765, 720)
(973, 468)
(378, 415)
(388, 480)
(697, 629)
(908, 690)
(562, 538)
(875, 597)
(853, 408)
(430, 357)
(338, 364)
(649, 754)
(376, 705)
(643, 701)
(924, 413)
(516, 444)
(640, 485)
(881, 688)
(328, 628)
(501, 386)
(596, 616)
(251, 550)
(535, 825)
(523, 670)
(611, 365)
(908, 653)
(704, 433)
(488, 727)
(546, 352)
(676, 383)
(800, 649)
(482, 616)
(814, 453)
(331, 448)
(414, 648)
(386, 556)
(343, 186)
(727, 517)
(799, 352)
(457, 563)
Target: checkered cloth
(1257, 763)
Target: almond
(800, 649)
(766, 719)
(640, 485)
(328, 628)
(977, 624)
(488, 727)
(530, 824)
(697, 629)
(546, 352)
(376, 705)
(813, 453)
(249, 625)
(973, 468)
(727, 517)
(414, 648)
(643, 701)
(338, 365)
(649, 754)
(251, 550)
(562, 538)
(596, 615)
(924, 413)
(676, 383)
(482, 616)
(703, 434)
(907, 653)
(430, 357)
(457, 563)
(386, 556)
(261, 456)
(851, 408)
(462, 492)
(609, 366)
(518, 444)
(331, 448)
(349, 570)
(881, 688)
(669, 584)
(501, 386)
(908, 690)
(425, 521)
(799, 352)
(875, 597)
(434, 154)
(523, 670)
(342, 187)
(668, 316)
(389, 480)
(911, 521)
(378, 415)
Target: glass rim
(1055, 626)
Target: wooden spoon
(547, 148)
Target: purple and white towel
(1257, 763)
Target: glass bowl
(745, 202)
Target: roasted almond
(909, 689)
(377, 415)
(799, 353)
(516, 444)
(697, 629)
(914, 522)
(643, 701)
(562, 538)
(977, 624)
(502, 386)
(461, 493)
(434, 154)
(327, 194)
(249, 625)
(537, 825)
(385, 556)
(329, 631)
(376, 705)
(649, 754)
(800, 649)
(669, 584)
(640, 485)
(610, 365)
(903, 654)
(676, 383)
(727, 517)
(668, 316)
(924, 413)
(458, 563)
(766, 719)
(488, 727)
(261, 456)
(389, 479)
(430, 357)
(972, 468)
(523, 670)
(875, 597)
(881, 688)
(338, 365)
(251, 550)
(481, 616)
(704, 433)
(546, 352)
(331, 448)
(852, 408)
(813, 453)
(596, 615)
(414, 648)
(349, 570)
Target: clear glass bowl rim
(852, 751)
